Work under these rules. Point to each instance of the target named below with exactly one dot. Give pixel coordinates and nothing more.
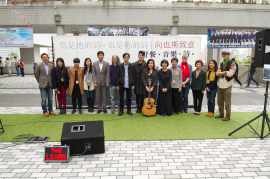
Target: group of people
(19, 66)
(142, 77)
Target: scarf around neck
(224, 64)
(185, 71)
(212, 76)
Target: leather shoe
(185, 111)
(227, 118)
(46, 114)
(113, 111)
(220, 116)
(80, 111)
(138, 110)
(61, 111)
(52, 113)
(73, 111)
(99, 111)
(129, 112)
(105, 111)
(120, 113)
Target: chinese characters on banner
(157, 48)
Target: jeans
(128, 99)
(89, 94)
(113, 92)
(18, 70)
(211, 96)
(45, 93)
(184, 98)
(2, 72)
(251, 78)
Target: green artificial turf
(136, 127)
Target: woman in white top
(89, 87)
(8, 64)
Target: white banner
(157, 47)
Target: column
(218, 56)
(60, 30)
(173, 31)
(209, 55)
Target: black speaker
(262, 39)
(84, 137)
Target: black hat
(76, 60)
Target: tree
(11, 55)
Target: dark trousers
(122, 96)
(22, 71)
(139, 101)
(197, 100)
(236, 79)
(184, 98)
(176, 99)
(76, 93)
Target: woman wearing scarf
(225, 84)
(186, 79)
(211, 86)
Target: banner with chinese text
(157, 47)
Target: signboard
(231, 38)
(16, 37)
(117, 31)
(157, 48)
(57, 154)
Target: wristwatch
(225, 72)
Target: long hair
(118, 62)
(215, 68)
(63, 69)
(147, 69)
(85, 66)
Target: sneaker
(99, 111)
(258, 85)
(80, 111)
(73, 111)
(112, 111)
(207, 113)
(247, 86)
(241, 86)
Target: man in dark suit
(43, 75)
(101, 77)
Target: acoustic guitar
(149, 108)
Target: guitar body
(149, 108)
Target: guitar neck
(149, 94)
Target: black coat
(121, 75)
(56, 79)
(154, 82)
(139, 87)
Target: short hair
(44, 54)
(14, 57)
(7, 58)
(198, 61)
(100, 52)
(141, 52)
(164, 61)
(176, 59)
(184, 56)
(21, 60)
(252, 58)
(233, 59)
(125, 55)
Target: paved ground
(246, 158)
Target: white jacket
(8, 63)
(92, 87)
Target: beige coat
(92, 86)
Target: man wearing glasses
(43, 75)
